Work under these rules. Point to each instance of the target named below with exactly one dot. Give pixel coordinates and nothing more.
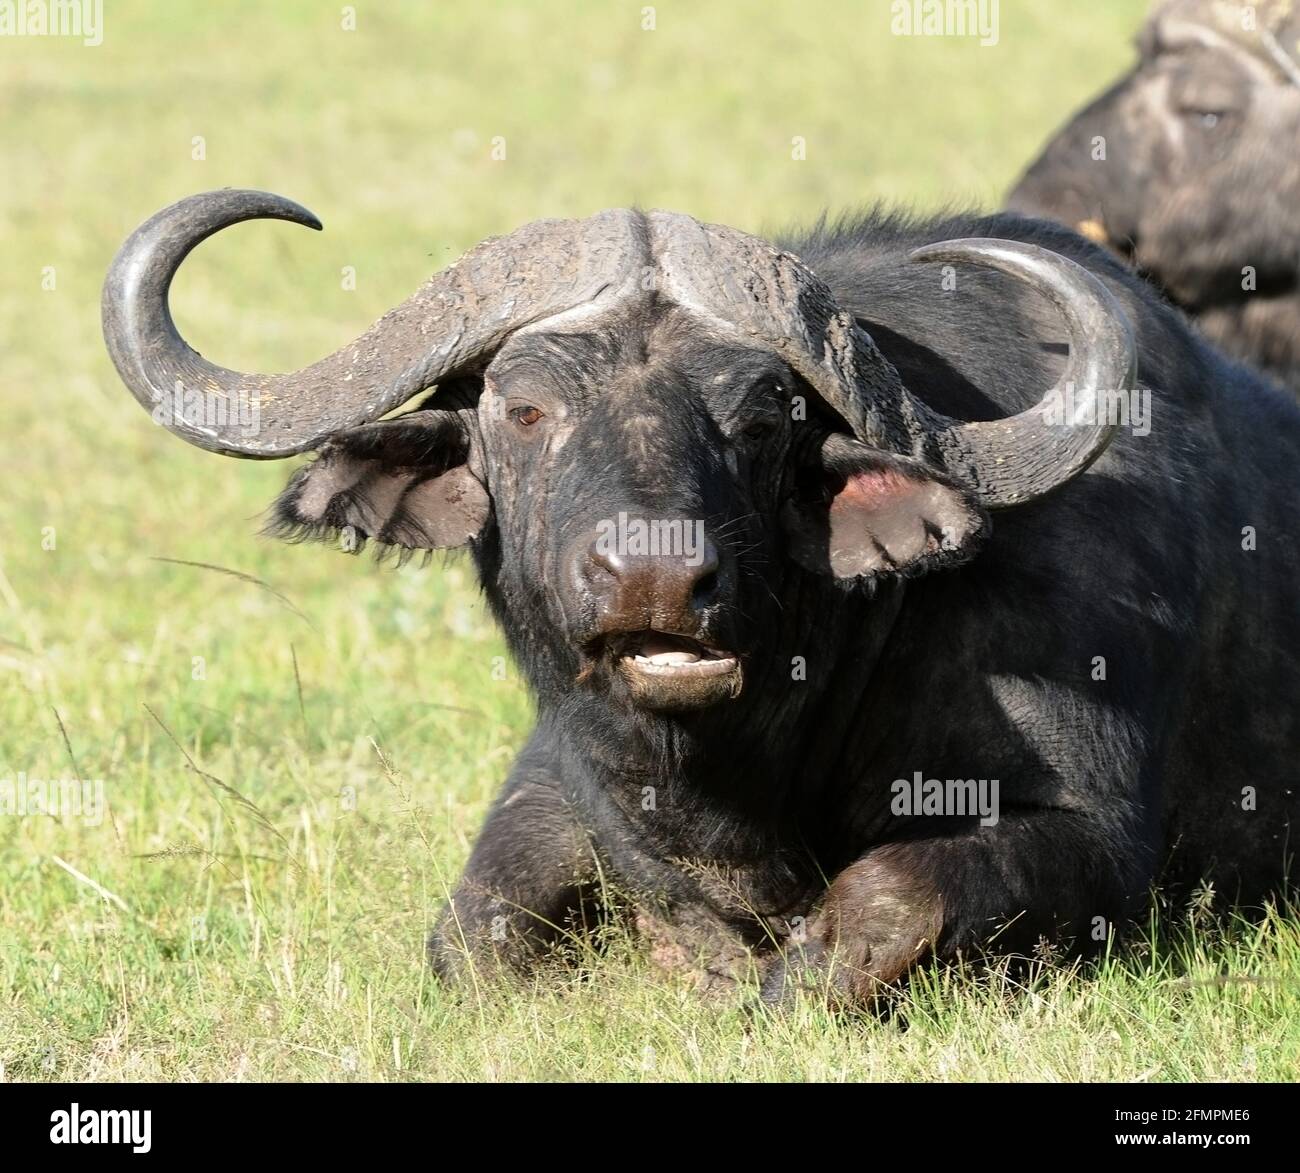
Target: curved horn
(756, 290)
(458, 315)
(1013, 460)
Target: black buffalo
(900, 540)
(1190, 166)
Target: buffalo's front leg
(1034, 876)
(530, 873)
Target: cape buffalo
(1190, 165)
(931, 653)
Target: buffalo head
(642, 425)
(1188, 165)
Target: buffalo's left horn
(753, 289)
(1013, 460)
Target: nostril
(609, 563)
(705, 585)
(705, 588)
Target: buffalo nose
(663, 591)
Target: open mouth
(653, 653)
(674, 672)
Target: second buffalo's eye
(757, 428)
(527, 415)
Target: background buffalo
(1190, 165)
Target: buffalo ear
(402, 482)
(861, 512)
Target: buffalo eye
(756, 428)
(526, 415)
(1204, 116)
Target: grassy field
(294, 771)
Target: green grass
(279, 936)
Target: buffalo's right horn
(457, 316)
(764, 293)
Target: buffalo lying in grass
(1190, 165)
(858, 632)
